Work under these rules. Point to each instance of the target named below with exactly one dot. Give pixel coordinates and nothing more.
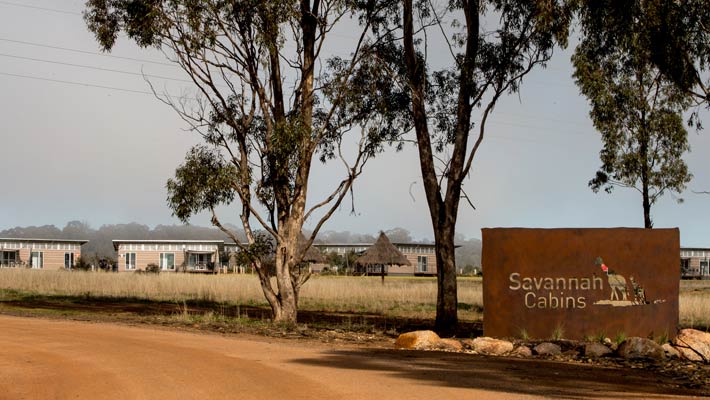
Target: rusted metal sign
(580, 283)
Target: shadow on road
(510, 375)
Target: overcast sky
(82, 143)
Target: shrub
(82, 264)
(152, 268)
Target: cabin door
(68, 260)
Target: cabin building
(169, 255)
(694, 263)
(48, 254)
(421, 257)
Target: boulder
(636, 347)
(490, 346)
(596, 350)
(671, 352)
(693, 344)
(522, 351)
(467, 344)
(547, 349)
(449, 345)
(571, 353)
(417, 340)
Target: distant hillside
(468, 255)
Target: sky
(93, 144)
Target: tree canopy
(675, 35)
(268, 101)
(635, 105)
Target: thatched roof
(383, 252)
(312, 254)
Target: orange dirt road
(52, 359)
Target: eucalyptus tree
(675, 35)
(635, 105)
(268, 101)
(457, 60)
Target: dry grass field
(695, 304)
(398, 297)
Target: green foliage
(203, 182)
(344, 262)
(473, 270)
(523, 37)
(493, 45)
(152, 268)
(673, 35)
(662, 339)
(599, 337)
(635, 107)
(524, 335)
(255, 137)
(261, 250)
(558, 333)
(81, 264)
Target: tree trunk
(645, 168)
(647, 222)
(443, 211)
(286, 312)
(447, 296)
(288, 295)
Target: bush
(152, 268)
(81, 264)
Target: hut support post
(382, 273)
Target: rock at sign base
(636, 347)
(449, 345)
(490, 346)
(671, 352)
(417, 340)
(547, 349)
(693, 344)
(596, 350)
(522, 351)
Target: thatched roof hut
(313, 255)
(383, 252)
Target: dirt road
(50, 359)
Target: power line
(89, 85)
(46, 46)
(92, 67)
(9, 3)
(192, 98)
(492, 122)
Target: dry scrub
(405, 297)
(401, 297)
(695, 304)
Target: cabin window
(37, 259)
(167, 260)
(68, 260)
(8, 257)
(422, 263)
(130, 261)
